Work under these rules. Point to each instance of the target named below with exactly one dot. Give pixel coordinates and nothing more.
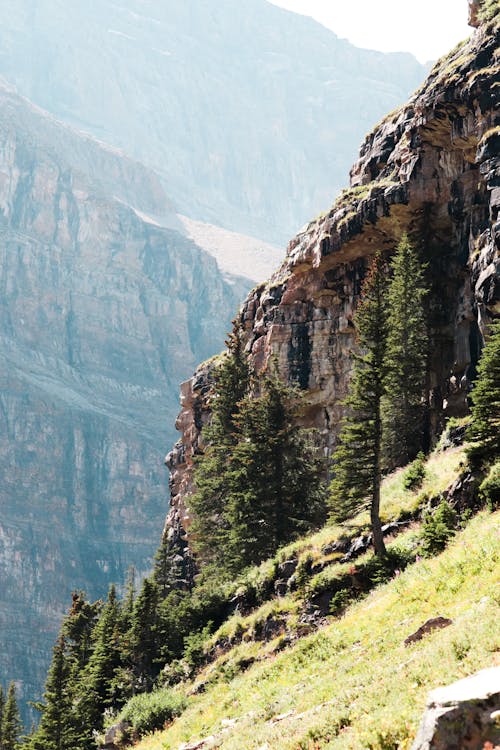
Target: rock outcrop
(102, 312)
(431, 169)
(463, 715)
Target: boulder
(463, 715)
(115, 735)
(435, 623)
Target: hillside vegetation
(288, 674)
(353, 683)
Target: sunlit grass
(354, 684)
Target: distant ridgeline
(380, 327)
(124, 128)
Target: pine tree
(406, 358)
(11, 724)
(274, 477)
(484, 431)
(61, 727)
(143, 641)
(208, 532)
(357, 461)
(97, 688)
(2, 707)
(57, 729)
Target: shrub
(489, 490)
(150, 711)
(438, 528)
(194, 646)
(415, 473)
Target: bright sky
(427, 28)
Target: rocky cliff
(226, 100)
(431, 168)
(102, 312)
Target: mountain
(431, 169)
(225, 100)
(102, 311)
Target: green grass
(489, 10)
(354, 684)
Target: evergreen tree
(11, 724)
(274, 477)
(357, 461)
(406, 358)
(208, 532)
(97, 688)
(484, 431)
(143, 641)
(2, 707)
(57, 730)
(61, 727)
(77, 629)
(173, 563)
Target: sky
(427, 28)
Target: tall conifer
(11, 723)
(209, 531)
(2, 706)
(357, 461)
(274, 477)
(406, 358)
(484, 431)
(57, 726)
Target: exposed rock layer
(102, 312)
(431, 169)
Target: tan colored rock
(473, 11)
(430, 169)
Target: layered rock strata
(431, 169)
(102, 312)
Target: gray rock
(459, 717)
(281, 587)
(287, 568)
(115, 735)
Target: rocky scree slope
(431, 169)
(101, 313)
(214, 95)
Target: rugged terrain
(431, 168)
(225, 105)
(102, 311)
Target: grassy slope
(353, 684)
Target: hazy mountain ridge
(225, 105)
(101, 313)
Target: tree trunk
(378, 537)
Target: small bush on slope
(151, 711)
(354, 684)
(489, 489)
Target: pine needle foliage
(274, 477)
(57, 729)
(231, 384)
(11, 723)
(484, 430)
(406, 357)
(258, 484)
(357, 461)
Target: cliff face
(102, 311)
(431, 169)
(224, 105)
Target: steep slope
(432, 169)
(216, 100)
(356, 683)
(102, 311)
